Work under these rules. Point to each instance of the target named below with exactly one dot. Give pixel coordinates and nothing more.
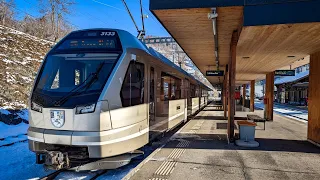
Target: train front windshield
(63, 74)
(76, 71)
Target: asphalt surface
(200, 150)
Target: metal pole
(134, 22)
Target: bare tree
(57, 11)
(7, 12)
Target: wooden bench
(257, 118)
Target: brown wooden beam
(225, 96)
(243, 94)
(269, 96)
(252, 89)
(314, 99)
(231, 84)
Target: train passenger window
(193, 90)
(170, 87)
(197, 92)
(132, 91)
(165, 88)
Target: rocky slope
(20, 57)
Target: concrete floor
(200, 150)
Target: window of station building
(132, 91)
(170, 87)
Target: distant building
(293, 89)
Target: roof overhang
(274, 34)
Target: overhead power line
(108, 5)
(153, 18)
(128, 10)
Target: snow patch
(12, 130)
(4, 111)
(18, 162)
(7, 61)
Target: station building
(249, 40)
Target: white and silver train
(100, 95)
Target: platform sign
(215, 73)
(285, 73)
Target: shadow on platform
(219, 141)
(210, 117)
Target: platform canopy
(272, 34)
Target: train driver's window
(132, 91)
(76, 77)
(55, 83)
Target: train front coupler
(56, 160)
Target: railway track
(55, 174)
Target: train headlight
(85, 109)
(36, 107)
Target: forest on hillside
(50, 25)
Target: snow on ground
(4, 111)
(23, 114)
(287, 111)
(18, 162)
(12, 130)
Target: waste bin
(247, 134)
(247, 130)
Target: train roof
(130, 41)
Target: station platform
(200, 150)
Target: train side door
(152, 119)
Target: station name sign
(285, 73)
(215, 73)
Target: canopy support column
(252, 89)
(225, 96)
(314, 99)
(269, 96)
(231, 84)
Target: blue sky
(99, 14)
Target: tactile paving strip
(168, 166)
(177, 152)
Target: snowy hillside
(20, 56)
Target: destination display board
(88, 44)
(285, 73)
(90, 40)
(215, 73)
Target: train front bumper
(99, 144)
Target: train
(102, 94)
